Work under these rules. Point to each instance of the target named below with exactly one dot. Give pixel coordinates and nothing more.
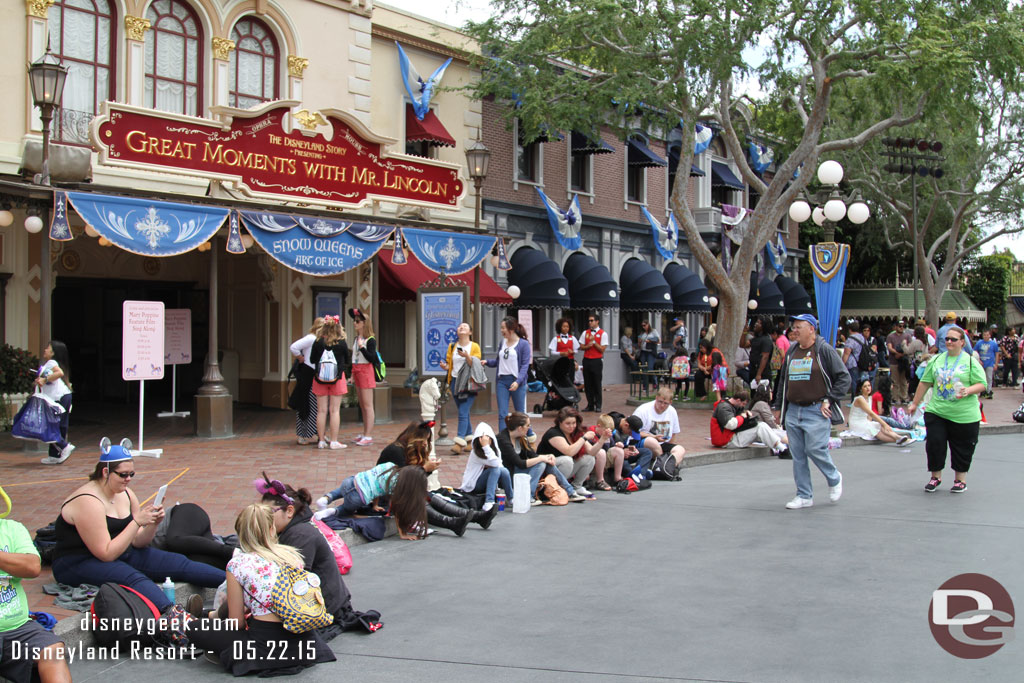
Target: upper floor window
(254, 65)
(82, 35)
(638, 158)
(173, 58)
(528, 158)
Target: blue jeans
(353, 499)
(504, 393)
(488, 481)
(808, 431)
(642, 460)
(138, 568)
(464, 405)
(541, 469)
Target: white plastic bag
(521, 493)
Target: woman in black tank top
(103, 535)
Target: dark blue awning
(640, 155)
(643, 288)
(796, 297)
(688, 292)
(673, 161)
(590, 283)
(769, 299)
(723, 175)
(581, 144)
(541, 283)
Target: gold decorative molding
(136, 27)
(37, 8)
(308, 120)
(297, 65)
(222, 48)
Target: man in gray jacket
(813, 381)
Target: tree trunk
(732, 314)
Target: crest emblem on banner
(828, 258)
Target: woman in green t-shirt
(953, 415)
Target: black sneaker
(958, 487)
(784, 454)
(932, 484)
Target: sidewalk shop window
(173, 58)
(254, 64)
(528, 158)
(82, 35)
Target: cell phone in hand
(159, 500)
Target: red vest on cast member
(593, 336)
(565, 343)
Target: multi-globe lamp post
(829, 259)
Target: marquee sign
(271, 153)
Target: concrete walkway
(706, 579)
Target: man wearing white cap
(813, 381)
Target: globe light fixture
(799, 211)
(830, 173)
(514, 292)
(34, 224)
(713, 301)
(858, 213)
(818, 216)
(834, 209)
(91, 231)
(6, 218)
(248, 241)
(752, 304)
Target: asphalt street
(707, 579)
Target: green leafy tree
(583, 64)
(987, 282)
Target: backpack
(777, 358)
(46, 543)
(680, 367)
(122, 614)
(298, 600)
(665, 468)
(380, 370)
(1018, 415)
(867, 360)
(327, 368)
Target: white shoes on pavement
(65, 453)
(836, 492)
(799, 502)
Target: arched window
(82, 35)
(173, 58)
(254, 64)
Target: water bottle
(168, 588)
(958, 388)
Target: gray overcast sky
(457, 12)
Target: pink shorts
(362, 375)
(337, 389)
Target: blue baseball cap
(807, 318)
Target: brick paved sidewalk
(218, 474)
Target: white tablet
(159, 500)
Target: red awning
(399, 283)
(428, 130)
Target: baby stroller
(557, 373)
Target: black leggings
(961, 437)
(188, 533)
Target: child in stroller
(557, 375)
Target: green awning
(895, 302)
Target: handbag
(342, 555)
(550, 492)
(38, 419)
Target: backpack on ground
(867, 360)
(665, 468)
(327, 368)
(1018, 415)
(46, 543)
(122, 614)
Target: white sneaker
(535, 502)
(65, 452)
(799, 502)
(321, 503)
(836, 492)
(322, 444)
(336, 445)
(583, 492)
(324, 514)
(53, 461)
(487, 507)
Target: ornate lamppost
(46, 75)
(477, 159)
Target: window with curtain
(82, 35)
(254, 64)
(173, 54)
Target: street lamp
(477, 159)
(832, 206)
(46, 76)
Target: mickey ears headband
(117, 453)
(273, 487)
(429, 424)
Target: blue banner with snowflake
(60, 228)
(315, 245)
(145, 226)
(455, 253)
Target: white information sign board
(142, 351)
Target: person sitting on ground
(104, 535)
(865, 422)
(660, 424)
(704, 367)
(484, 471)
(519, 458)
(293, 523)
(638, 456)
(735, 427)
(42, 653)
(761, 408)
(603, 432)
(253, 638)
(574, 453)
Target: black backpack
(122, 614)
(665, 468)
(46, 543)
(868, 358)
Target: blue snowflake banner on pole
(703, 138)
(455, 253)
(60, 229)
(776, 254)
(760, 157)
(828, 263)
(565, 224)
(234, 244)
(147, 227)
(503, 262)
(666, 237)
(398, 257)
(420, 90)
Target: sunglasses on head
(124, 475)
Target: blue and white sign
(316, 246)
(455, 253)
(440, 314)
